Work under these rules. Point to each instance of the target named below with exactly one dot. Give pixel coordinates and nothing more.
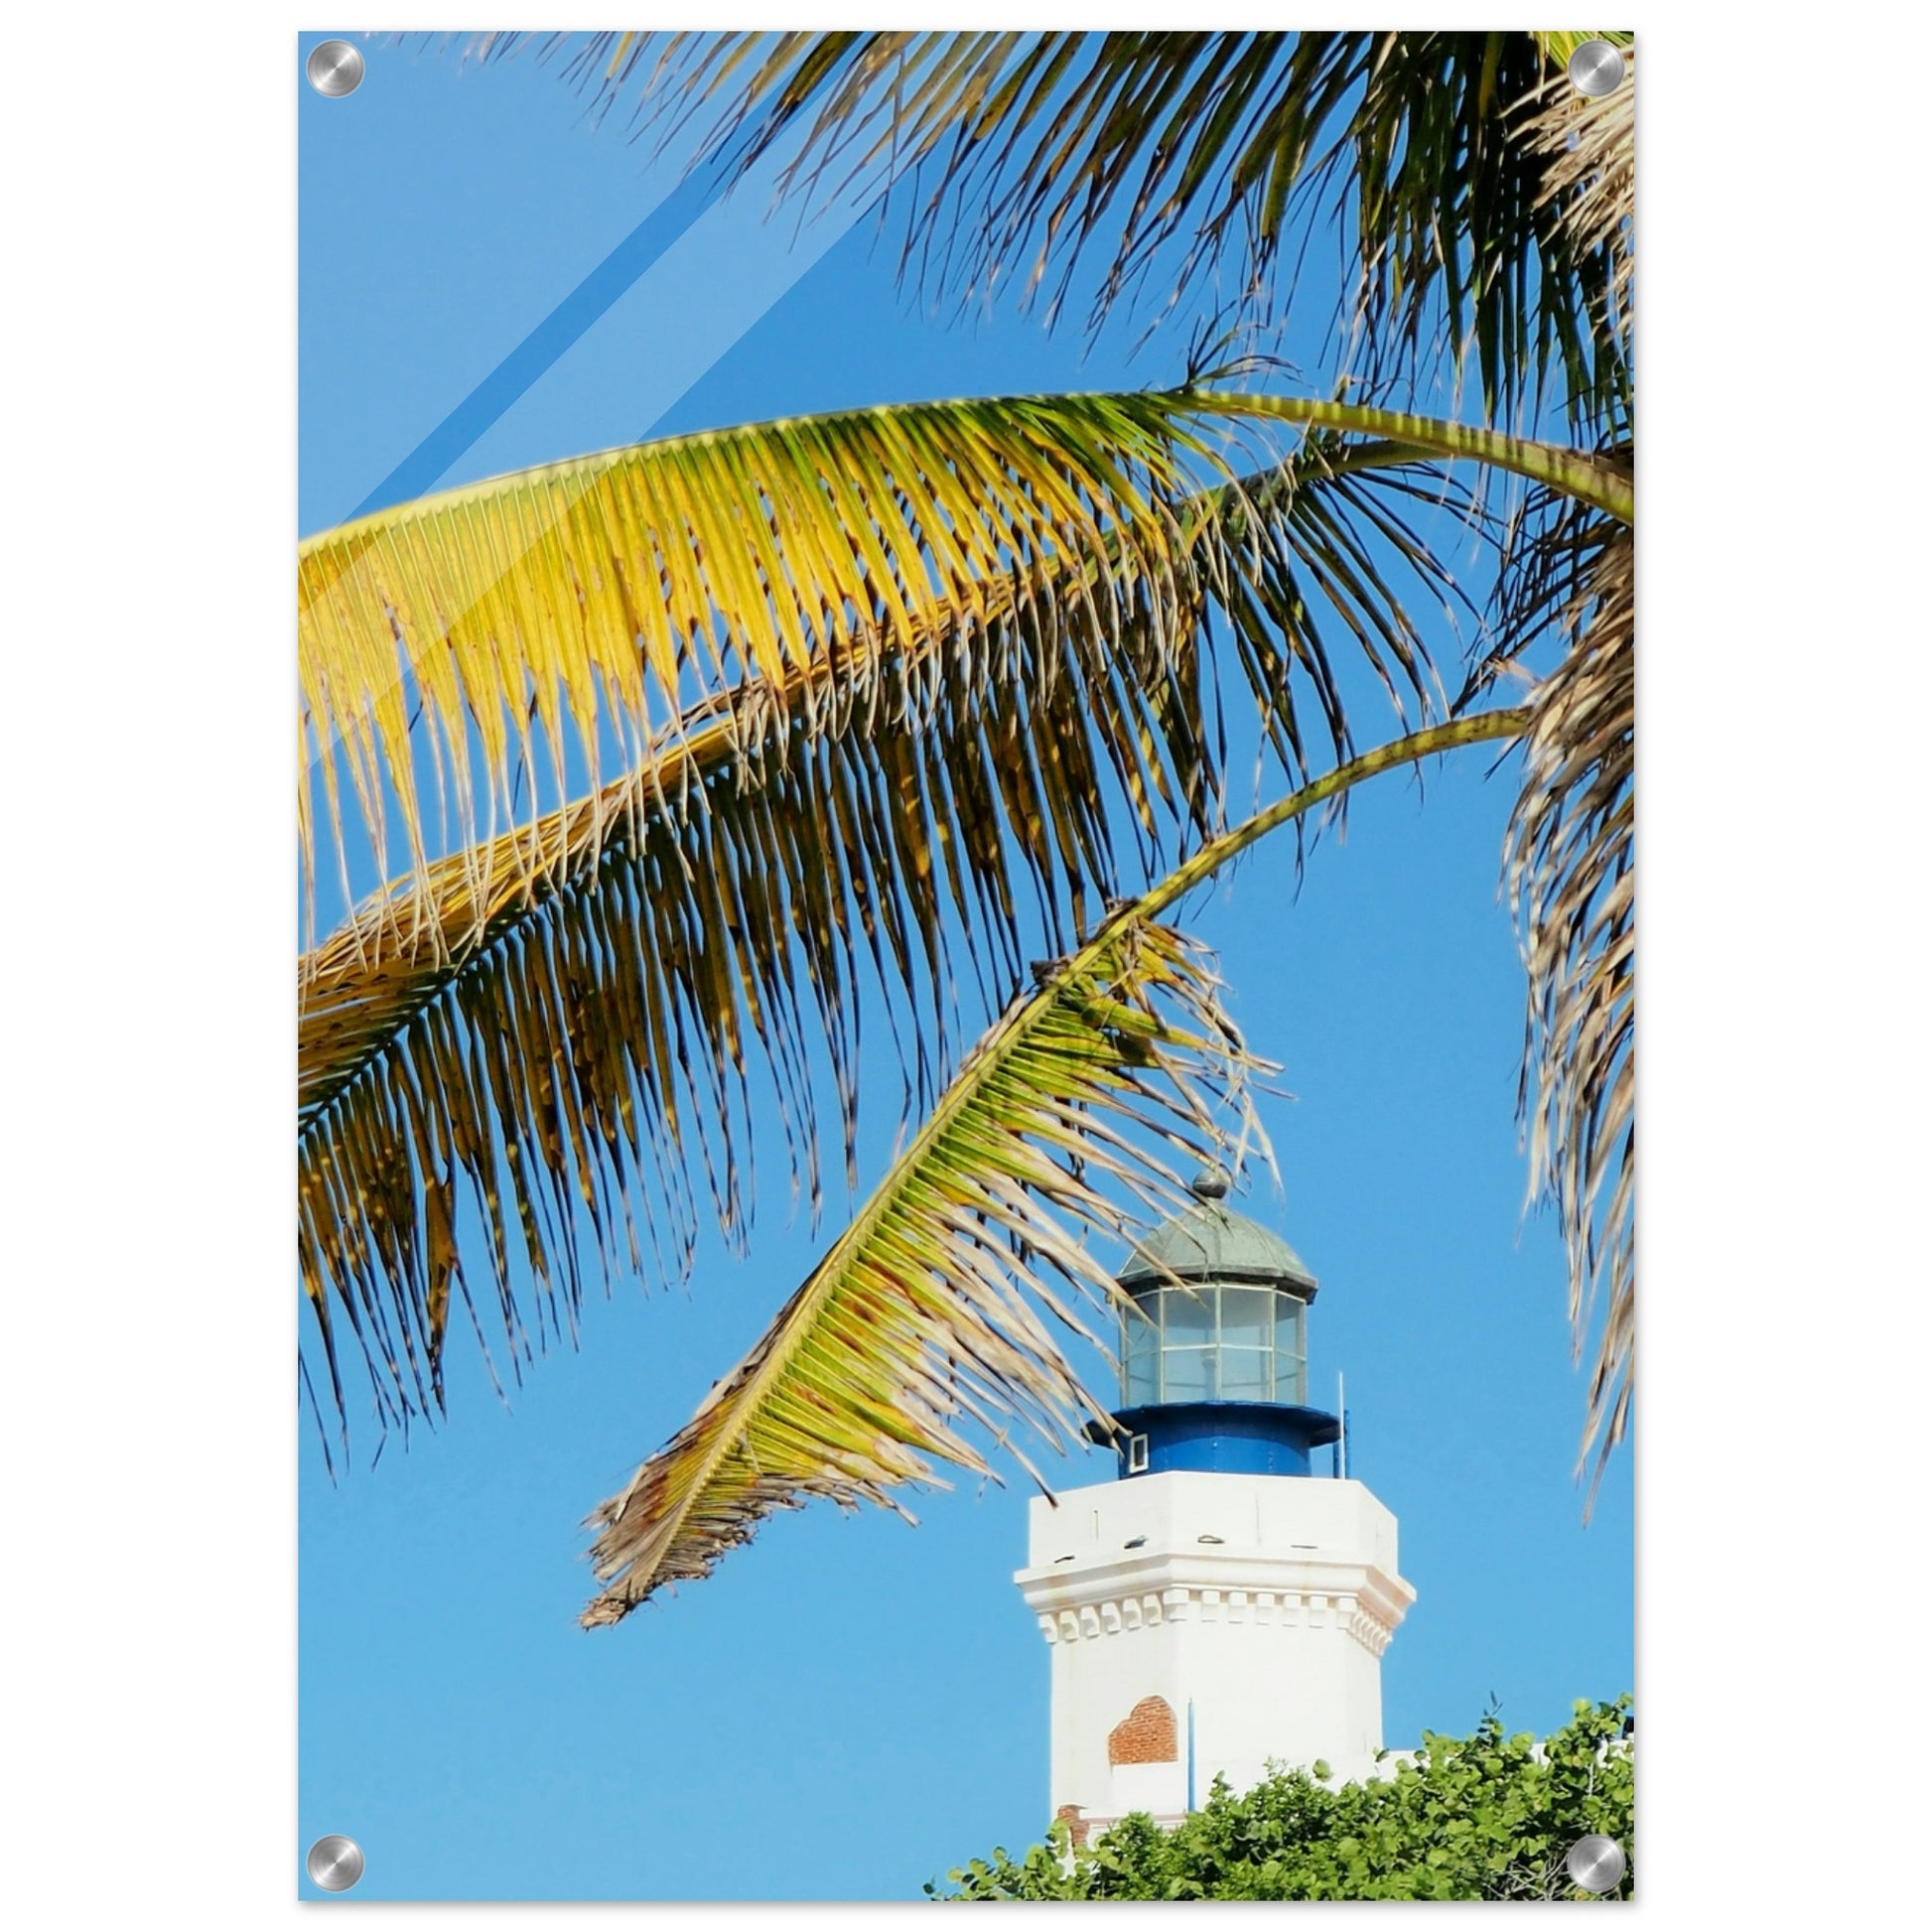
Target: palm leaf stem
(1574, 472)
(1483, 727)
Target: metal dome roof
(1210, 1242)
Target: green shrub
(1488, 1816)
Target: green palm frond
(587, 1046)
(524, 1040)
(1549, 550)
(1060, 1125)
(922, 1313)
(1021, 155)
(1599, 478)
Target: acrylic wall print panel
(843, 591)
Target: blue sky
(847, 1707)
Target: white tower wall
(1264, 1602)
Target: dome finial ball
(1211, 1184)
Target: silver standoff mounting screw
(1594, 70)
(335, 1863)
(1594, 1863)
(335, 68)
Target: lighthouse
(1221, 1605)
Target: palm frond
(1571, 863)
(526, 633)
(1572, 880)
(1558, 46)
(546, 623)
(1570, 869)
(564, 1022)
(588, 1047)
(1589, 147)
(1021, 155)
(1060, 1127)
(1549, 550)
(922, 1313)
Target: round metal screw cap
(1597, 69)
(1596, 1863)
(334, 68)
(334, 1863)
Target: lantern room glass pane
(1246, 1314)
(1288, 1325)
(1139, 1351)
(1290, 1354)
(1188, 1374)
(1187, 1315)
(1244, 1374)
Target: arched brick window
(1146, 1735)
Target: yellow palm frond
(549, 623)
(583, 1044)
(529, 634)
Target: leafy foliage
(1489, 1816)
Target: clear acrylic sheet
(785, 914)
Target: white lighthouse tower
(1219, 1606)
